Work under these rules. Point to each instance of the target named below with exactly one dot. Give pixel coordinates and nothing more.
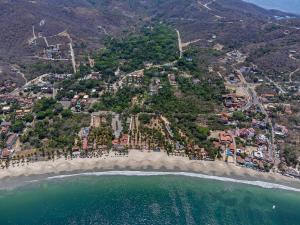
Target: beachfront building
(11, 140)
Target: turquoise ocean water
(147, 200)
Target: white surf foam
(187, 174)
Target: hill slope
(90, 21)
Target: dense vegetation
(101, 136)
(55, 127)
(69, 87)
(36, 69)
(156, 45)
(118, 102)
(196, 93)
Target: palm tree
(7, 162)
(43, 152)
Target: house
(172, 79)
(240, 151)
(247, 133)
(259, 164)
(232, 78)
(119, 148)
(281, 131)
(46, 90)
(233, 101)
(261, 138)
(4, 130)
(123, 140)
(74, 100)
(22, 112)
(225, 138)
(5, 153)
(135, 77)
(179, 147)
(5, 124)
(5, 127)
(229, 102)
(288, 109)
(196, 81)
(6, 109)
(155, 86)
(293, 172)
(11, 140)
(268, 95)
(157, 149)
(95, 76)
(153, 90)
(224, 118)
(240, 160)
(84, 133)
(19, 113)
(75, 151)
(201, 152)
(85, 144)
(231, 147)
(259, 124)
(248, 162)
(189, 59)
(204, 154)
(258, 154)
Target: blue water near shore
(162, 199)
(290, 6)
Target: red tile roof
(5, 153)
(85, 144)
(121, 141)
(225, 137)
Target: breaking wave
(187, 174)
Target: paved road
(254, 100)
(179, 44)
(292, 73)
(186, 44)
(46, 41)
(16, 91)
(248, 90)
(73, 57)
(207, 4)
(281, 91)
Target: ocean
(143, 199)
(290, 6)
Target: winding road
(291, 75)
(254, 100)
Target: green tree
(66, 113)
(239, 115)
(203, 133)
(28, 118)
(17, 126)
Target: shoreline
(136, 161)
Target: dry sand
(139, 161)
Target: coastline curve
(262, 184)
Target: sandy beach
(140, 161)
